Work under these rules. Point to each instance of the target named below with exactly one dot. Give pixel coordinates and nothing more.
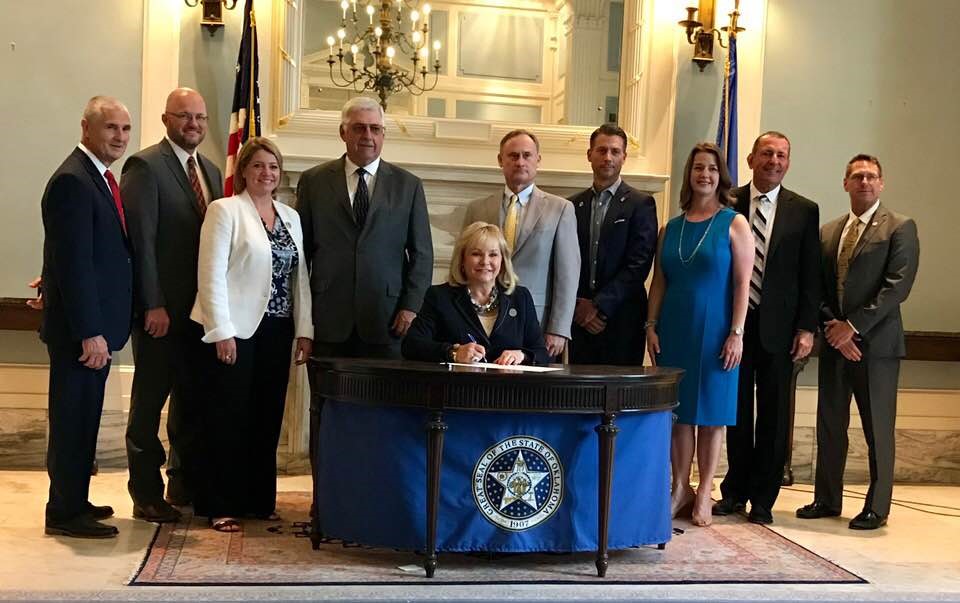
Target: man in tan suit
(870, 258)
(541, 230)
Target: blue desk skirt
(509, 482)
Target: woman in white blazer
(253, 300)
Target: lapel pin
(512, 312)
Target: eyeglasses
(865, 177)
(200, 117)
(375, 129)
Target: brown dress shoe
(158, 512)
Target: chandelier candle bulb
(354, 2)
(370, 13)
(417, 37)
(390, 53)
(330, 43)
(436, 50)
(341, 34)
(344, 5)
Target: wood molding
(936, 346)
(16, 315)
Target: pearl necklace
(492, 304)
(699, 243)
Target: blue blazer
(87, 267)
(447, 317)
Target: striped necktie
(759, 227)
(199, 202)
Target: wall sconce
(212, 12)
(700, 33)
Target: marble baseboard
(23, 438)
(923, 456)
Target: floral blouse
(284, 264)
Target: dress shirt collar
(351, 168)
(612, 188)
(182, 154)
(773, 195)
(866, 216)
(96, 160)
(523, 196)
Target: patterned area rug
(279, 553)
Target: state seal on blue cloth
(518, 483)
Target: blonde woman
(253, 300)
(480, 313)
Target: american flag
(245, 114)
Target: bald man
(88, 282)
(166, 189)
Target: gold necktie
(510, 222)
(846, 251)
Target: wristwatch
(452, 352)
(737, 331)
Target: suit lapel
(876, 222)
(176, 169)
(337, 180)
(461, 302)
(101, 185)
(381, 192)
(531, 215)
(582, 207)
(503, 311)
(743, 201)
(783, 217)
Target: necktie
(758, 225)
(846, 251)
(361, 199)
(115, 191)
(199, 202)
(599, 212)
(510, 221)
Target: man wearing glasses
(366, 235)
(166, 189)
(870, 259)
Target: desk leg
(435, 429)
(607, 432)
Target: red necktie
(116, 198)
(199, 202)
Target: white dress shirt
(353, 179)
(183, 156)
(773, 195)
(523, 197)
(96, 163)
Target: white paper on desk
(513, 367)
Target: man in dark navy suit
(617, 231)
(88, 283)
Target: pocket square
(620, 220)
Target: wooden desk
(437, 388)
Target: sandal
(225, 524)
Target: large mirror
(551, 62)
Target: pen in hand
(473, 340)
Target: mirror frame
(291, 119)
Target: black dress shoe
(98, 512)
(760, 515)
(80, 527)
(727, 506)
(158, 512)
(867, 520)
(816, 510)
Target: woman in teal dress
(698, 304)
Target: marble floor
(915, 558)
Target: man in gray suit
(366, 234)
(165, 190)
(870, 259)
(541, 230)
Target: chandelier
(369, 62)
